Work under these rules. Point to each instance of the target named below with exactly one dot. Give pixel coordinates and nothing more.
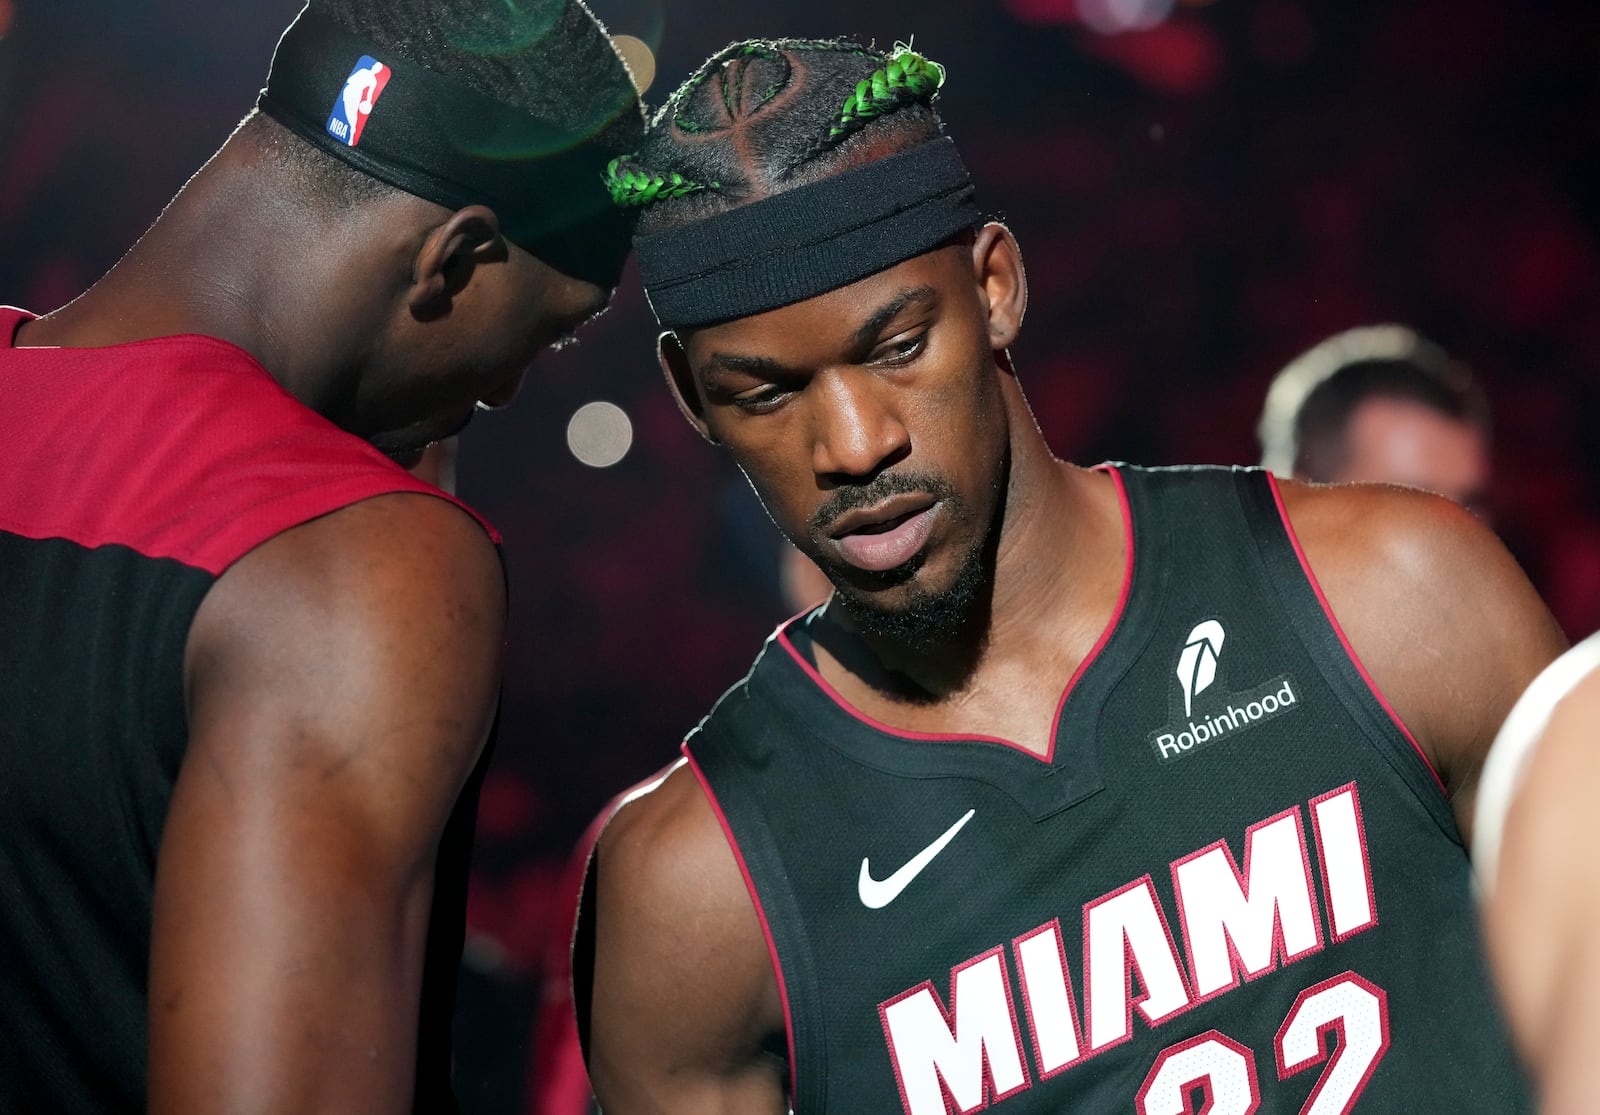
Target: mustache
(877, 490)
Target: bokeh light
(8, 12)
(1112, 17)
(599, 434)
(640, 58)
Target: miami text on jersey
(1235, 924)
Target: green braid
(630, 186)
(908, 77)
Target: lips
(886, 536)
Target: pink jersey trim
(1055, 725)
(761, 913)
(1333, 621)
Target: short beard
(926, 620)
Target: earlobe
(997, 266)
(449, 255)
(680, 381)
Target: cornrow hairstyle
(551, 58)
(765, 116)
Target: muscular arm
(1440, 614)
(684, 995)
(341, 680)
(1544, 912)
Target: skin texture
(341, 681)
(685, 1011)
(341, 677)
(1401, 441)
(1541, 920)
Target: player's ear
(680, 381)
(997, 268)
(449, 254)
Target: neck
(1057, 569)
(236, 258)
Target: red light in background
(8, 11)
(1040, 11)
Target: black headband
(810, 240)
(439, 140)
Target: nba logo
(361, 91)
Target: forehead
(828, 322)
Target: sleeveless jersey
(1234, 884)
(135, 476)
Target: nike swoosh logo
(876, 894)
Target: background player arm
(685, 1005)
(1544, 917)
(341, 681)
(1438, 611)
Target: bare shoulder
(383, 620)
(1435, 607)
(378, 545)
(667, 837)
(393, 559)
(666, 873)
(1401, 532)
(685, 1004)
(340, 681)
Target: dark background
(1197, 203)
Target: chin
(406, 458)
(912, 612)
(406, 446)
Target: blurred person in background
(1534, 854)
(248, 664)
(1028, 729)
(1379, 403)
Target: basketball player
(1380, 403)
(1533, 850)
(247, 664)
(1098, 790)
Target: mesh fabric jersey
(1233, 883)
(137, 475)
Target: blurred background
(1202, 189)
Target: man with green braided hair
(971, 832)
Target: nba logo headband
(439, 140)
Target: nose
(502, 395)
(855, 433)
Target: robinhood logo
(1197, 665)
(1222, 713)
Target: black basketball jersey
(1234, 880)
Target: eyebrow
(766, 365)
(889, 311)
(727, 361)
